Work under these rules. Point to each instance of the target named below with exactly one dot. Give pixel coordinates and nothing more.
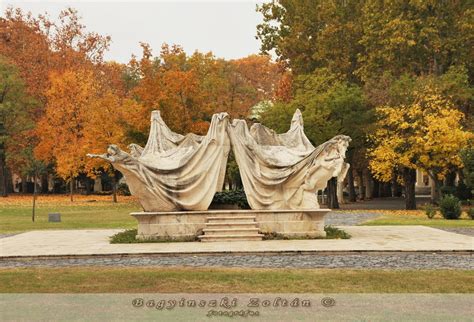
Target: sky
(227, 28)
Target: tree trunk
(24, 184)
(369, 185)
(3, 177)
(340, 191)
(393, 187)
(71, 189)
(114, 188)
(409, 180)
(450, 179)
(44, 183)
(89, 186)
(387, 189)
(360, 174)
(332, 194)
(435, 188)
(350, 183)
(9, 181)
(34, 198)
(376, 189)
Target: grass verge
(84, 213)
(129, 237)
(331, 233)
(415, 217)
(236, 280)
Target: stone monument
(174, 172)
(175, 178)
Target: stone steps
(226, 218)
(231, 228)
(230, 231)
(230, 224)
(231, 238)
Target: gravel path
(338, 218)
(360, 260)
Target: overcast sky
(227, 28)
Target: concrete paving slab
(364, 238)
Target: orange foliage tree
(84, 103)
(82, 116)
(189, 89)
(38, 46)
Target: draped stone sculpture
(279, 171)
(284, 171)
(174, 172)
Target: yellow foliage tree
(426, 134)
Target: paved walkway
(364, 238)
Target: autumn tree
(61, 129)
(425, 134)
(252, 80)
(39, 46)
(85, 113)
(415, 37)
(313, 34)
(189, 89)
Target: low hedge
(231, 197)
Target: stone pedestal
(183, 224)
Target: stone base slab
(373, 239)
(185, 224)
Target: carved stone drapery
(279, 171)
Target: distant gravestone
(54, 217)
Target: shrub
(123, 190)
(448, 190)
(233, 197)
(463, 192)
(336, 233)
(470, 213)
(430, 211)
(450, 207)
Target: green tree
(330, 106)
(467, 156)
(415, 37)
(310, 34)
(15, 123)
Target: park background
(396, 76)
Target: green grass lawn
(236, 280)
(99, 212)
(416, 217)
(15, 213)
